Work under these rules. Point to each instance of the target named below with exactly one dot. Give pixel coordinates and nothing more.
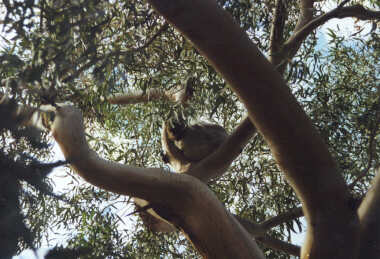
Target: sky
(61, 179)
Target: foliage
(21, 177)
(82, 51)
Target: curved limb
(218, 162)
(182, 199)
(297, 147)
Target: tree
(313, 169)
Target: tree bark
(369, 214)
(295, 144)
(219, 161)
(179, 198)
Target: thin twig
(343, 3)
(370, 150)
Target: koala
(185, 145)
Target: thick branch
(369, 214)
(258, 231)
(292, 44)
(68, 131)
(282, 218)
(218, 162)
(179, 198)
(296, 145)
(359, 12)
(306, 13)
(179, 94)
(280, 245)
(277, 32)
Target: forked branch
(258, 232)
(356, 11)
(294, 142)
(183, 200)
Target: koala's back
(201, 139)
